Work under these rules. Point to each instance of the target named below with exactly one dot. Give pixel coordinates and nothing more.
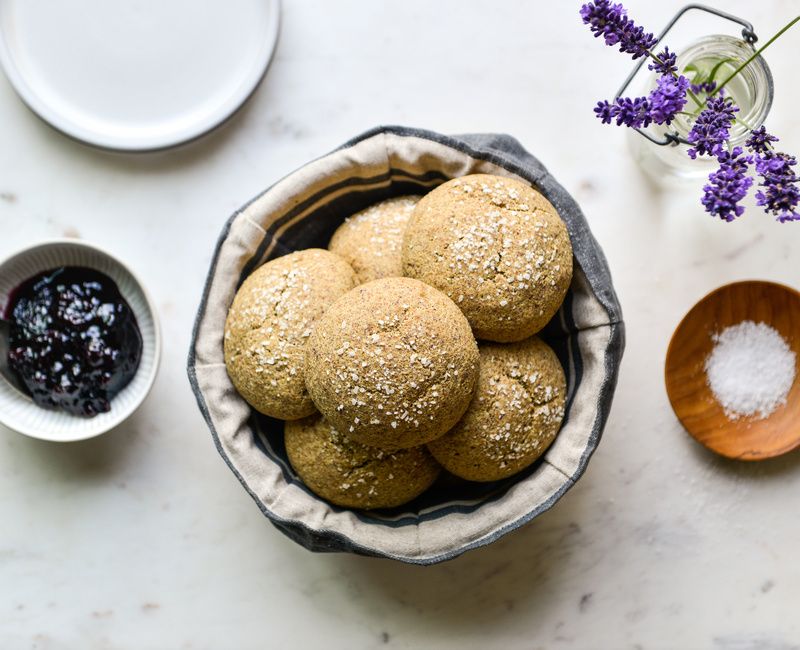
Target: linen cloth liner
(302, 210)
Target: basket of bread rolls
(408, 347)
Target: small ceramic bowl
(17, 410)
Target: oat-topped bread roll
(497, 248)
(372, 240)
(392, 363)
(515, 414)
(353, 475)
(269, 323)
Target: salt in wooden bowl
(743, 438)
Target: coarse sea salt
(750, 370)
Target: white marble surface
(144, 539)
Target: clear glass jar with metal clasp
(752, 90)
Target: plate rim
(42, 109)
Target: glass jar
(752, 90)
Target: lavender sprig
(668, 98)
(710, 133)
(706, 87)
(760, 141)
(610, 21)
(711, 130)
(728, 185)
(665, 62)
(781, 194)
(661, 106)
(630, 112)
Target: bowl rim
(32, 432)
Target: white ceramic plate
(17, 410)
(136, 75)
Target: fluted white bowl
(17, 410)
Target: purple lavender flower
(710, 133)
(605, 111)
(630, 112)
(612, 23)
(781, 193)
(760, 141)
(667, 98)
(711, 129)
(706, 87)
(728, 185)
(666, 64)
(633, 112)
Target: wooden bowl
(745, 438)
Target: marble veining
(142, 539)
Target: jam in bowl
(74, 342)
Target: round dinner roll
(497, 248)
(515, 414)
(371, 241)
(269, 323)
(392, 363)
(353, 475)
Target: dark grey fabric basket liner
(507, 153)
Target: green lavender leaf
(701, 71)
(758, 52)
(712, 76)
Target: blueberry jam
(74, 341)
